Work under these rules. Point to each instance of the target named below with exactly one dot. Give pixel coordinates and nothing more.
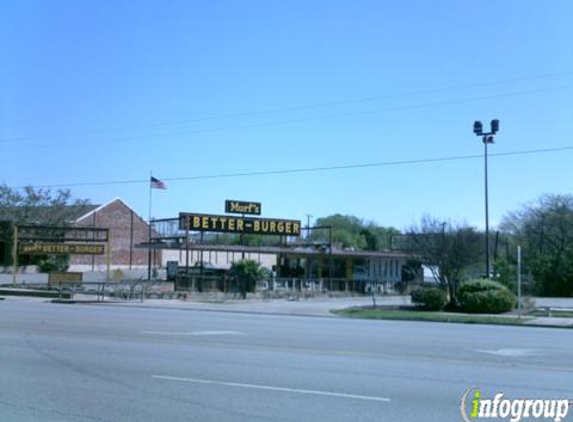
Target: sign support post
(108, 258)
(15, 256)
(518, 281)
(187, 253)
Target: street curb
(330, 315)
(525, 325)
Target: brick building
(127, 229)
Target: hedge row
(485, 296)
(475, 296)
(430, 299)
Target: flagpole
(149, 224)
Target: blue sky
(107, 91)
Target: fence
(222, 283)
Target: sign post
(518, 281)
(108, 259)
(15, 256)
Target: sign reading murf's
(243, 207)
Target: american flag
(157, 184)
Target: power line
(288, 109)
(306, 169)
(283, 122)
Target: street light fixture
(487, 138)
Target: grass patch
(34, 293)
(413, 315)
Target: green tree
(370, 239)
(352, 232)
(544, 229)
(345, 230)
(383, 235)
(245, 274)
(504, 273)
(38, 206)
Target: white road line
(195, 333)
(271, 388)
(512, 352)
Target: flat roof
(276, 250)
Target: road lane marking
(195, 333)
(271, 388)
(512, 352)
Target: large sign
(61, 249)
(231, 224)
(242, 207)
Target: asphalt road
(76, 363)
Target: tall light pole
(487, 138)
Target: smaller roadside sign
(61, 249)
(65, 279)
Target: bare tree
(448, 249)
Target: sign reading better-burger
(231, 224)
(61, 249)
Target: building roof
(98, 208)
(279, 250)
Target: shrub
(58, 263)
(485, 296)
(432, 298)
